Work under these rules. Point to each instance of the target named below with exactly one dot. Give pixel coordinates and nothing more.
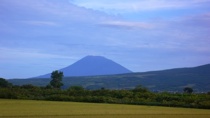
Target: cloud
(43, 10)
(26, 53)
(126, 24)
(52, 6)
(120, 6)
(46, 33)
(41, 23)
(200, 20)
(28, 62)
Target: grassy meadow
(49, 109)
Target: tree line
(137, 96)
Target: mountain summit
(92, 65)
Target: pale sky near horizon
(39, 36)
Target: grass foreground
(49, 109)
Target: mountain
(165, 80)
(90, 66)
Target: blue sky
(39, 36)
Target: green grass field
(48, 109)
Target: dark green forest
(137, 96)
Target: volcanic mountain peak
(92, 65)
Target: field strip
(114, 116)
(49, 109)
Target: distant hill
(165, 80)
(90, 66)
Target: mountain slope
(165, 80)
(92, 65)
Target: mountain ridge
(164, 80)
